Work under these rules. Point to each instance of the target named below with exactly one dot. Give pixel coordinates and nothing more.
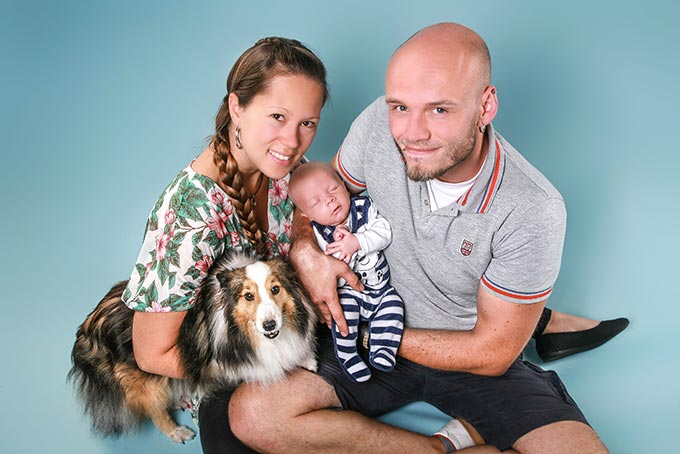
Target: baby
(350, 229)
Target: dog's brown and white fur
(251, 321)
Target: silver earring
(482, 129)
(237, 138)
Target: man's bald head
(448, 43)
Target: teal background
(103, 102)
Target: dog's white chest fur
(272, 358)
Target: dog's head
(260, 299)
(263, 297)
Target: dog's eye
(275, 290)
(249, 296)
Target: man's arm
(502, 330)
(319, 273)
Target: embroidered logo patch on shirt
(466, 248)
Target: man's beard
(454, 155)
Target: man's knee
(260, 416)
(565, 437)
(249, 417)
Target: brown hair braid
(250, 76)
(240, 200)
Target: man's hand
(345, 245)
(319, 274)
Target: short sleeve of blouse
(190, 225)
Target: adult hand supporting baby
(319, 274)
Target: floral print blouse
(192, 223)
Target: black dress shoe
(558, 345)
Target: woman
(232, 196)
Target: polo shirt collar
(480, 196)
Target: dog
(251, 322)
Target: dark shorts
(502, 409)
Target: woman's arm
(154, 342)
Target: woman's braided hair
(250, 76)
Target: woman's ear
(235, 108)
(489, 106)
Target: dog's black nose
(269, 325)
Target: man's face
(433, 115)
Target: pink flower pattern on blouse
(278, 192)
(204, 264)
(192, 223)
(216, 223)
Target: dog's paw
(310, 364)
(182, 434)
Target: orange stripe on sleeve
(346, 175)
(520, 296)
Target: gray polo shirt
(506, 234)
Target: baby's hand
(345, 245)
(340, 232)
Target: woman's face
(278, 126)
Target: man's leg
(213, 423)
(282, 419)
(300, 414)
(295, 416)
(527, 408)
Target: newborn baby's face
(325, 199)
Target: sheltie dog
(251, 321)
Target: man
(477, 243)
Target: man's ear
(489, 106)
(235, 108)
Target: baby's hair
(303, 171)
